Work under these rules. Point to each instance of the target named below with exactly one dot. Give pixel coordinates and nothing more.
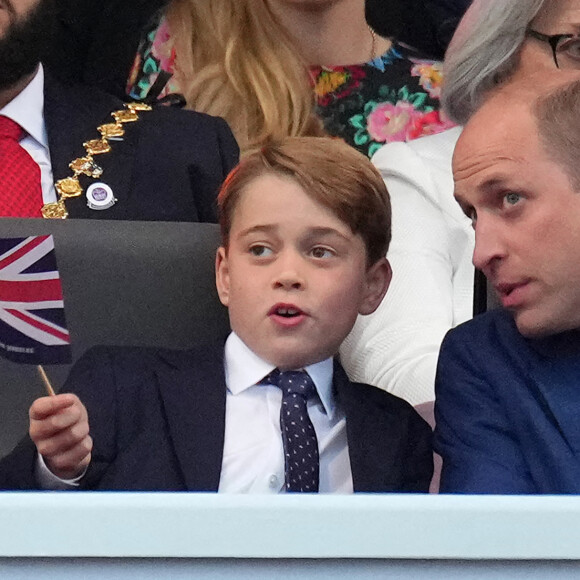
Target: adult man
(507, 383)
(150, 165)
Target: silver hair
(484, 52)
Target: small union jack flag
(32, 323)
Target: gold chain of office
(70, 186)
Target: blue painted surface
(198, 526)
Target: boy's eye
(321, 252)
(260, 251)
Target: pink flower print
(162, 48)
(390, 122)
(428, 124)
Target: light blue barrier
(160, 535)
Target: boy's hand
(59, 427)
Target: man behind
(164, 164)
(305, 229)
(507, 382)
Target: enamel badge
(100, 196)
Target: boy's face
(294, 276)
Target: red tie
(20, 192)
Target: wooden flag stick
(46, 382)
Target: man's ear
(222, 275)
(378, 278)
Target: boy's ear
(222, 275)
(378, 278)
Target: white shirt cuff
(47, 480)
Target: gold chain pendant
(71, 186)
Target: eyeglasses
(565, 48)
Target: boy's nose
(289, 274)
(289, 280)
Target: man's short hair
(558, 119)
(331, 173)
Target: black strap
(479, 293)
(171, 100)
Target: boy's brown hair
(330, 172)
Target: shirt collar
(244, 369)
(27, 109)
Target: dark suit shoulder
(477, 339)
(389, 443)
(93, 100)
(196, 149)
(383, 398)
(351, 392)
(399, 409)
(134, 362)
(86, 100)
(494, 322)
(196, 134)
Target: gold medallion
(68, 187)
(55, 211)
(138, 106)
(87, 166)
(111, 130)
(125, 116)
(97, 146)
(71, 187)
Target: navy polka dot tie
(298, 435)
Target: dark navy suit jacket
(169, 166)
(157, 421)
(507, 409)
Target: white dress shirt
(27, 109)
(253, 458)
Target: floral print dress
(394, 97)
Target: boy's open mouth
(285, 311)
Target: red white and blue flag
(32, 322)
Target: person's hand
(59, 427)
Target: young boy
(305, 229)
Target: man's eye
(320, 252)
(471, 214)
(512, 198)
(260, 251)
(570, 48)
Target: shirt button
(274, 481)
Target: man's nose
(489, 244)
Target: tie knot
(10, 129)
(292, 382)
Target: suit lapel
(72, 115)
(193, 391)
(556, 382)
(541, 391)
(368, 434)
